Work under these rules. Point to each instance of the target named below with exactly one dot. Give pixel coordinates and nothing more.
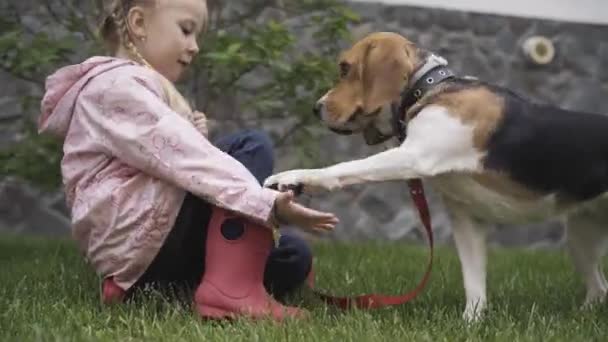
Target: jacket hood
(62, 89)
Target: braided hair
(114, 31)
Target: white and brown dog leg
(470, 242)
(394, 164)
(586, 242)
(437, 142)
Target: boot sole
(214, 313)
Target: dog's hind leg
(470, 242)
(586, 242)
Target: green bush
(235, 46)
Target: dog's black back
(549, 149)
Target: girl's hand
(199, 119)
(291, 212)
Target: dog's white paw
(593, 299)
(310, 181)
(473, 312)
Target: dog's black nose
(317, 109)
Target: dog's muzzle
(317, 110)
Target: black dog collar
(412, 94)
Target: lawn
(48, 293)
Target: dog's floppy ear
(386, 69)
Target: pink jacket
(129, 160)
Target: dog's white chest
(487, 203)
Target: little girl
(153, 202)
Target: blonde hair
(114, 32)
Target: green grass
(48, 293)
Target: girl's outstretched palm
(291, 212)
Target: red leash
(373, 301)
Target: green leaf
(233, 48)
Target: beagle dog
(493, 156)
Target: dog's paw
(593, 299)
(308, 181)
(473, 312)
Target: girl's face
(170, 28)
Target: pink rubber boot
(111, 293)
(232, 285)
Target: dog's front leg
(437, 142)
(470, 242)
(394, 164)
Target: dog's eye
(344, 68)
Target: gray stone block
(24, 210)
(10, 108)
(453, 21)
(550, 234)
(602, 55)
(487, 25)
(586, 95)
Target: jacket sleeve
(129, 119)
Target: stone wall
(485, 46)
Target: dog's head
(373, 72)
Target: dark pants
(181, 260)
